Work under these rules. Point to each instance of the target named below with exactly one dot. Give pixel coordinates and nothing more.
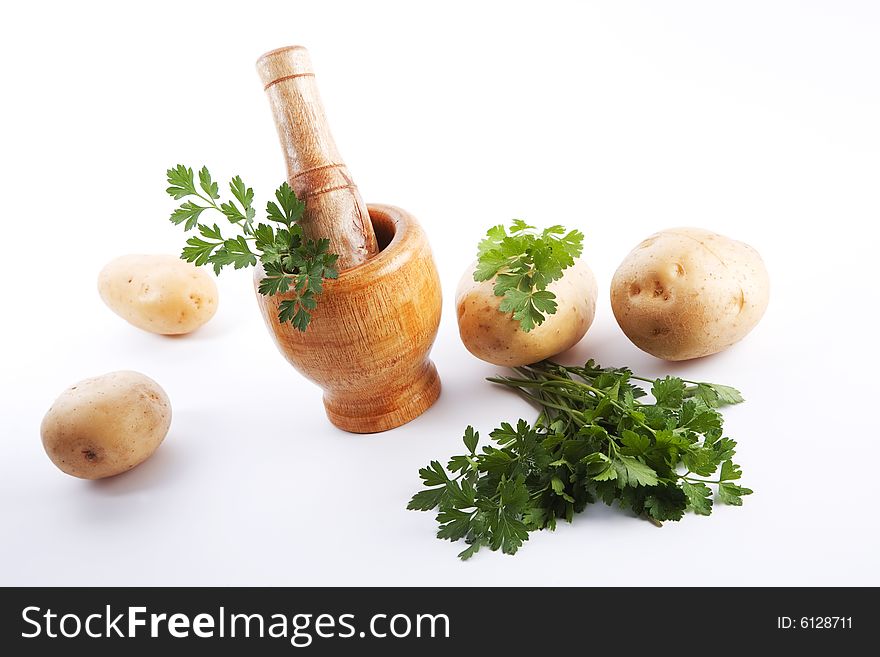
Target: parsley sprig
(293, 265)
(594, 439)
(524, 262)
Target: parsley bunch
(594, 439)
(524, 262)
(293, 265)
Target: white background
(760, 120)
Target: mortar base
(387, 409)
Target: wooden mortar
(368, 341)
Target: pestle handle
(315, 170)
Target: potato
(497, 338)
(687, 292)
(106, 425)
(159, 293)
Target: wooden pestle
(315, 170)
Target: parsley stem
(210, 202)
(540, 492)
(596, 372)
(652, 520)
(543, 402)
(700, 481)
(517, 383)
(550, 380)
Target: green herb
(294, 266)
(524, 262)
(594, 439)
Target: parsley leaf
(523, 262)
(294, 267)
(668, 392)
(180, 182)
(199, 251)
(289, 208)
(666, 502)
(715, 395)
(699, 497)
(188, 214)
(208, 186)
(732, 494)
(276, 281)
(235, 252)
(632, 472)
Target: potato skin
(106, 425)
(158, 293)
(497, 338)
(687, 292)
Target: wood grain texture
(315, 170)
(368, 342)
